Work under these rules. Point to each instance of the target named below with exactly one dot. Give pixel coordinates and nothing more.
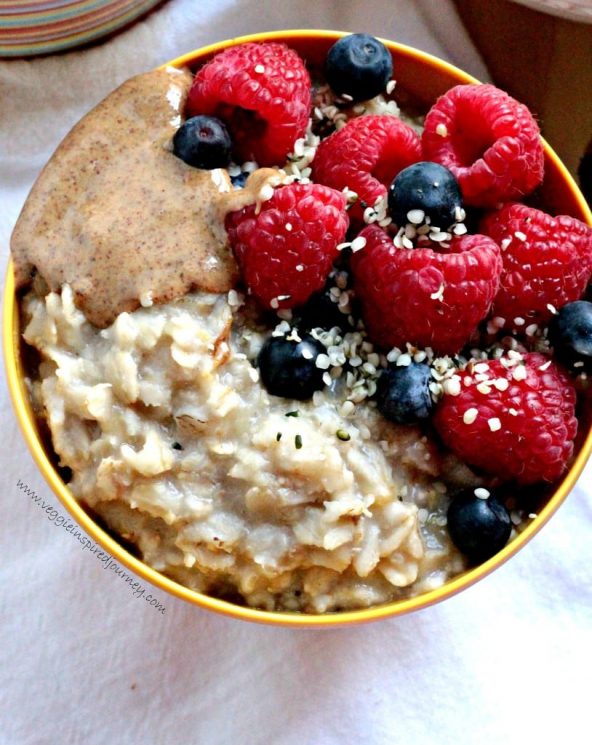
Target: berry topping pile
(383, 295)
(262, 93)
(358, 67)
(488, 140)
(570, 333)
(425, 190)
(478, 523)
(514, 418)
(547, 262)
(287, 366)
(364, 156)
(425, 296)
(203, 142)
(403, 393)
(286, 250)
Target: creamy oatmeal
(171, 438)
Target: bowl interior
(422, 78)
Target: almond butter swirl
(119, 218)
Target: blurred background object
(585, 173)
(544, 60)
(30, 28)
(574, 10)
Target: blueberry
(321, 311)
(479, 528)
(287, 368)
(403, 393)
(203, 142)
(359, 66)
(428, 187)
(570, 333)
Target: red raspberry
(287, 249)
(547, 260)
(365, 155)
(263, 94)
(488, 140)
(523, 432)
(426, 298)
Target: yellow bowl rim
(394, 608)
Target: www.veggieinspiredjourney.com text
(87, 544)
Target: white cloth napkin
(85, 661)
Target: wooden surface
(544, 61)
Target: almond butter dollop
(119, 218)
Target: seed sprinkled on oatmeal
(531, 329)
(520, 373)
(298, 442)
(234, 300)
(470, 415)
(452, 386)
(347, 408)
(278, 437)
(323, 362)
(494, 424)
(416, 217)
(516, 517)
(343, 435)
(296, 412)
(146, 299)
(358, 243)
(501, 384)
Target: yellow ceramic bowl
(425, 77)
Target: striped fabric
(28, 28)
